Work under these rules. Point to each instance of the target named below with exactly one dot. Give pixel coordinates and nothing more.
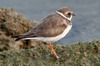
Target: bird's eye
(69, 13)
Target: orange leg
(52, 50)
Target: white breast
(53, 39)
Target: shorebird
(51, 29)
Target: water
(86, 25)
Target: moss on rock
(79, 54)
(13, 23)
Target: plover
(51, 29)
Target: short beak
(74, 14)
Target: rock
(13, 23)
(78, 54)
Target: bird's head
(67, 12)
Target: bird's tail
(17, 37)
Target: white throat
(64, 15)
